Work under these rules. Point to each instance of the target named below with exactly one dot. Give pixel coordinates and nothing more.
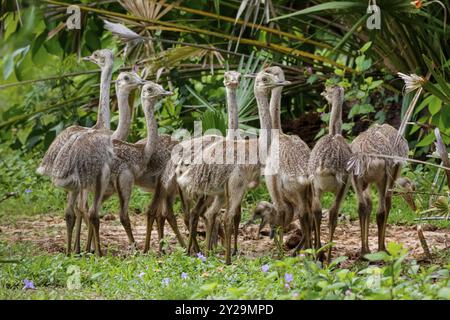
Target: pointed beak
(282, 83)
(88, 58)
(250, 75)
(272, 232)
(167, 93)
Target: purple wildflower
(28, 284)
(265, 268)
(27, 191)
(141, 275)
(348, 292)
(165, 281)
(201, 256)
(288, 277)
(287, 286)
(295, 295)
(309, 69)
(184, 275)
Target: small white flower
(412, 81)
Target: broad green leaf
(375, 84)
(434, 105)
(377, 256)
(360, 109)
(427, 140)
(445, 117)
(366, 47)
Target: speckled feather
(211, 178)
(46, 165)
(128, 156)
(330, 155)
(82, 159)
(294, 155)
(158, 162)
(185, 151)
(401, 149)
(372, 141)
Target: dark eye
(126, 78)
(95, 55)
(265, 80)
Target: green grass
(152, 277)
(140, 276)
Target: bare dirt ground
(48, 233)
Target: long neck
(275, 104)
(265, 120)
(233, 117)
(335, 126)
(152, 128)
(123, 128)
(103, 117)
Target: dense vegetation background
(45, 87)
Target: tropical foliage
(188, 44)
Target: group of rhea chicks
(99, 161)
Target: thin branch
(67, 75)
(406, 159)
(432, 218)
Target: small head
(276, 71)
(151, 90)
(103, 57)
(231, 79)
(333, 93)
(264, 211)
(129, 81)
(265, 82)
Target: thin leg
(160, 221)
(232, 205)
(94, 219)
(304, 212)
(172, 220)
(70, 217)
(151, 215)
(334, 211)
(211, 217)
(382, 212)
(364, 209)
(82, 214)
(317, 216)
(237, 220)
(193, 222)
(124, 189)
(185, 207)
(388, 205)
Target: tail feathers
(304, 180)
(357, 164)
(70, 182)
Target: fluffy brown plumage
(288, 183)
(383, 172)
(104, 58)
(328, 165)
